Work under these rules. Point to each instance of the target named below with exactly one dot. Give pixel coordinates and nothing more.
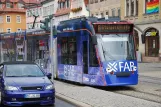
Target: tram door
(85, 57)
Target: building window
(20, 6)
(36, 11)
(102, 15)
(91, 2)
(8, 5)
(19, 29)
(31, 26)
(33, 11)
(8, 30)
(8, 19)
(132, 8)
(96, 1)
(0, 6)
(40, 11)
(107, 13)
(127, 7)
(137, 7)
(1, 19)
(113, 12)
(18, 19)
(119, 12)
(1, 30)
(63, 4)
(51, 9)
(28, 13)
(48, 10)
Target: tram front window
(116, 47)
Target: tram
(98, 53)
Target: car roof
(17, 62)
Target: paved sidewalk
(100, 98)
(150, 69)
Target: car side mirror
(49, 75)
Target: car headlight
(11, 88)
(49, 87)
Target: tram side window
(64, 50)
(93, 58)
(68, 50)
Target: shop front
(152, 45)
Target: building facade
(146, 15)
(104, 8)
(48, 8)
(62, 10)
(12, 17)
(30, 17)
(31, 13)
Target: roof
(17, 62)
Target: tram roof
(110, 20)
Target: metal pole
(51, 48)
(1, 43)
(25, 50)
(25, 40)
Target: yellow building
(146, 15)
(12, 17)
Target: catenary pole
(51, 49)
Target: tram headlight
(108, 70)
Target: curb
(71, 100)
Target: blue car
(24, 83)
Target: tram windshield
(116, 47)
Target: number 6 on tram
(97, 53)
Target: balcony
(13, 10)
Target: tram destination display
(113, 28)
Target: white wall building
(49, 8)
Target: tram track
(140, 91)
(148, 79)
(133, 91)
(141, 95)
(130, 91)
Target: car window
(23, 70)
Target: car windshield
(23, 70)
(116, 47)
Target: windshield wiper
(12, 76)
(130, 58)
(29, 76)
